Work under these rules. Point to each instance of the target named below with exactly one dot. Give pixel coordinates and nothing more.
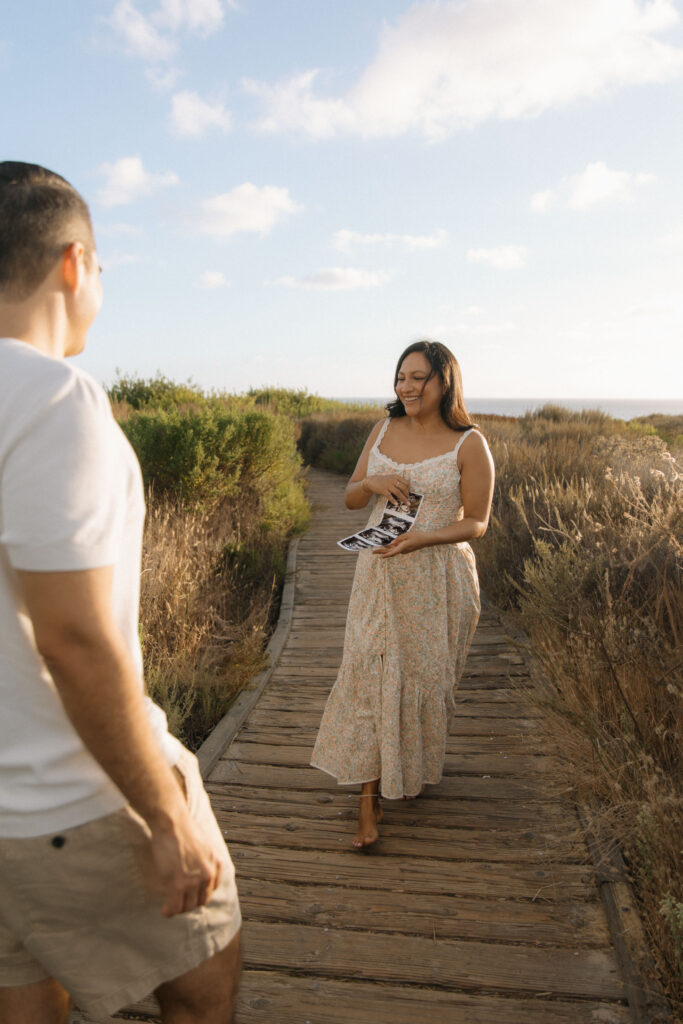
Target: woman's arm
(476, 489)
(361, 487)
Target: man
(114, 877)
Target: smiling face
(419, 393)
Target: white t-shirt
(71, 498)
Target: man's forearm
(101, 694)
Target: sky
(289, 193)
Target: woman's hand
(392, 486)
(410, 541)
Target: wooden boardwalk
(480, 903)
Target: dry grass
(590, 561)
(204, 613)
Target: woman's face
(419, 394)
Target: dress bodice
(438, 479)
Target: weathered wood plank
(397, 840)
(527, 744)
(371, 870)
(275, 997)
(489, 763)
(537, 817)
(443, 916)
(493, 788)
(441, 962)
(462, 726)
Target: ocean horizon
(619, 408)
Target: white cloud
(598, 184)
(345, 240)
(503, 257)
(595, 185)
(126, 180)
(191, 116)
(139, 35)
(213, 279)
(202, 17)
(445, 66)
(336, 278)
(291, 106)
(542, 201)
(162, 81)
(246, 208)
(153, 36)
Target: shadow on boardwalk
(480, 904)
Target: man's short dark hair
(40, 215)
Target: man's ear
(73, 265)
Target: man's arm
(97, 682)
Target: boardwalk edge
(225, 731)
(647, 1001)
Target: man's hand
(189, 869)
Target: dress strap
(382, 432)
(466, 434)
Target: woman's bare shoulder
(375, 432)
(474, 447)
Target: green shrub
(293, 403)
(155, 393)
(205, 457)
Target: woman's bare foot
(369, 816)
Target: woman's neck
(430, 423)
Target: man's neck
(39, 324)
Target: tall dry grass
(204, 611)
(590, 559)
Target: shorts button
(58, 842)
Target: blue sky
(290, 193)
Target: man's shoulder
(35, 381)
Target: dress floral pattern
(410, 624)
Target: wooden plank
(493, 788)
(462, 726)
(370, 870)
(528, 744)
(457, 764)
(429, 841)
(276, 997)
(536, 818)
(439, 962)
(442, 916)
(312, 697)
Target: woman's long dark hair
(443, 363)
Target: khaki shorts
(79, 907)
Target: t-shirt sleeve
(59, 485)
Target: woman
(415, 602)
